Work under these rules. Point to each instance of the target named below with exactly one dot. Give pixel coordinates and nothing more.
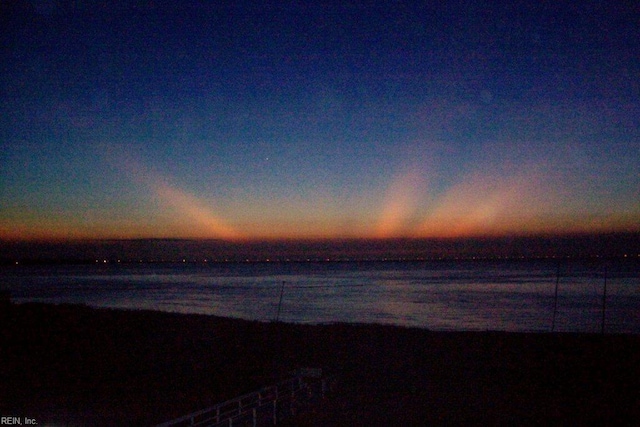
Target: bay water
(505, 295)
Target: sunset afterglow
(318, 122)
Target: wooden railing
(264, 407)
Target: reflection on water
(507, 295)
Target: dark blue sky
(293, 119)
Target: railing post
(296, 388)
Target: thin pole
(555, 299)
(604, 298)
(280, 302)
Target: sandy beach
(80, 366)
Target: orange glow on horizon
(444, 228)
(503, 201)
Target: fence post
(275, 410)
(294, 395)
(604, 299)
(255, 417)
(292, 402)
(555, 300)
(280, 302)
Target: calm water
(507, 295)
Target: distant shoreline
(208, 261)
(576, 246)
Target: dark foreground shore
(74, 365)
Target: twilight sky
(255, 120)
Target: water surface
(438, 295)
